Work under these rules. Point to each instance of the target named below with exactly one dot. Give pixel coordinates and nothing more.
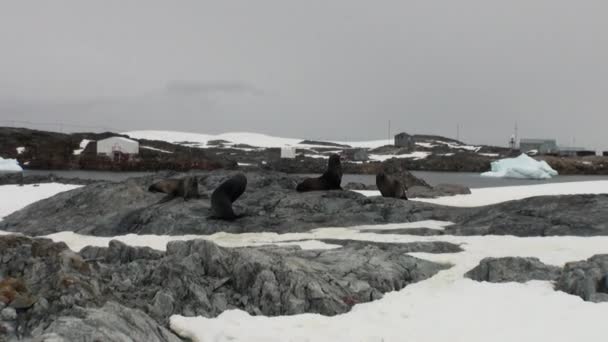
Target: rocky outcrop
(587, 279)
(537, 216)
(55, 151)
(508, 269)
(19, 178)
(439, 190)
(270, 203)
(129, 293)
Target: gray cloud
(316, 69)
(205, 88)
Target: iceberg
(523, 167)
(9, 165)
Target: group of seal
(388, 185)
(221, 198)
(231, 189)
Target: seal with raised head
(390, 186)
(225, 194)
(330, 180)
(186, 187)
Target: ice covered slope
(9, 165)
(253, 139)
(521, 167)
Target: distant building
(404, 140)
(568, 151)
(605, 153)
(356, 154)
(118, 148)
(288, 152)
(540, 146)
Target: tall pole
(389, 132)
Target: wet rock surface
(576, 215)
(19, 178)
(516, 269)
(270, 203)
(129, 293)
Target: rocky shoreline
(122, 292)
(40, 150)
(49, 292)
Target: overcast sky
(317, 69)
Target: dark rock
(19, 178)
(410, 247)
(438, 191)
(537, 216)
(359, 186)
(586, 279)
(516, 269)
(405, 231)
(111, 322)
(196, 278)
(270, 204)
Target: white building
(288, 152)
(115, 147)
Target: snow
(15, 197)
(486, 196)
(252, 139)
(521, 167)
(444, 307)
(77, 242)
(83, 145)
(459, 146)
(414, 155)
(155, 149)
(9, 165)
(318, 156)
(20, 150)
(489, 154)
(425, 144)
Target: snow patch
(414, 155)
(426, 144)
(521, 167)
(15, 197)
(252, 139)
(83, 145)
(155, 149)
(486, 196)
(20, 150)
(9, 165)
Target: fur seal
(186, 187)
(390, 186)
(330, 180)
(225, 194)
